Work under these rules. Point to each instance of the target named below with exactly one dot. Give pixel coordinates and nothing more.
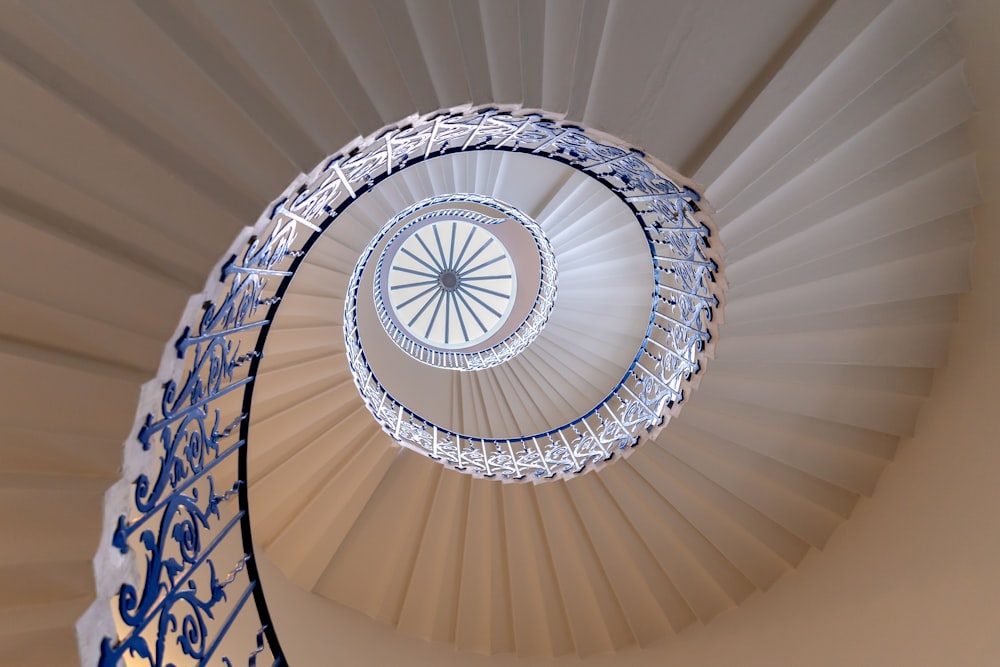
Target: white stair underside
(793, 421)
(136, 139)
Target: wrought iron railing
(179, 564)
(682, 309)
(190, 591)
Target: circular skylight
(463, 281)
(451, 284)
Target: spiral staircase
(139, 139)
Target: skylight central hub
(449, 280)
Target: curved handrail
(681, 317)
(185, 510)
(177, 571)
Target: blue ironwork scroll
(190, 519)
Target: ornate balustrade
(194, 596)
(187, 584)
(682, 308)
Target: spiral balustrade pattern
(684, 304)
(191, 571)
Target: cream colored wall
(914, 577)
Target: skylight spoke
(472, 311)
(420, 312)
(447, 317)
(483, 303)
(483, 247)
(420, 284)
(415, 272)
(485, 264)
(430, 254)
(451, 251)
(465, 246)
(437, 239)
(458, 313)
(501, 277)
(407, 252)
(437, 307)
(409, 301)
(489, 291)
